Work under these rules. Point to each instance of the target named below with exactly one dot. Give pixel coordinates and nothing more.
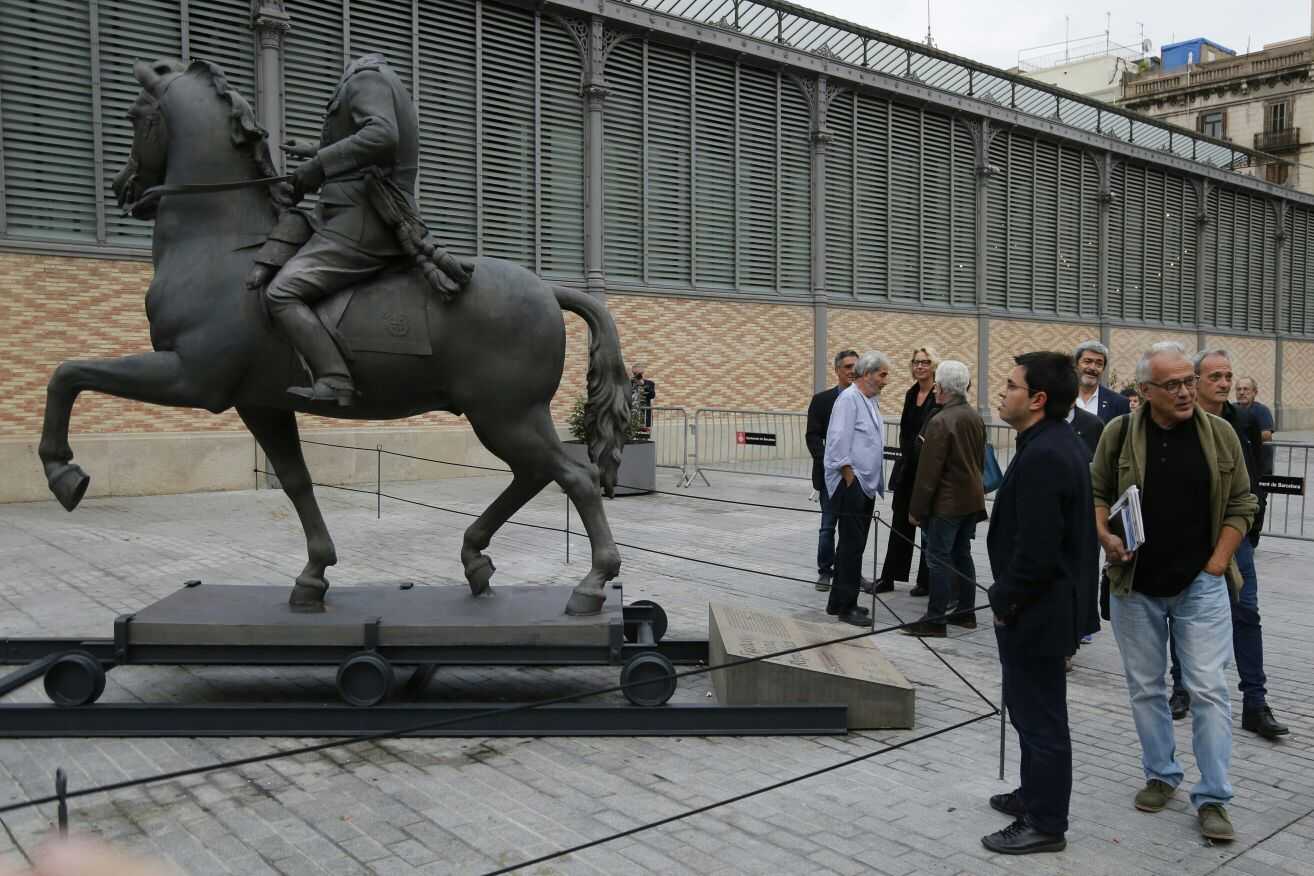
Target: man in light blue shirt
(855, 447)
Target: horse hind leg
(276, 432)
(479, 567)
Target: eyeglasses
(1172, 387)
(921, 362)
(1009, 386)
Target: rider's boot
(305, 331)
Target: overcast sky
(994, 31)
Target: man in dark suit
(1088, 427)
(818, 422)
(1043, 554)
(1091, 359)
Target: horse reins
(183, 188)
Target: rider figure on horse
(371, 127)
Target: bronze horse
(498, 347)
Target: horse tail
(607, 408)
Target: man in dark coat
(1091, 359)
(1043, 554)
(370, 123)
(818, 422)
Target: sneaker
(823, 582)
(1020, 838)
(1180, 704)
(1086, 640)
(1261, 721)
(1154, 796)
(1214, 823)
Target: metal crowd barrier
(1286, 517)
(750, 442)
(669, 430)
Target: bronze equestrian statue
(491, 347)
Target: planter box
(638, 468)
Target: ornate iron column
(1104, 164)
(270, 22)
(1280, 240)
(1202, 227)
(820, 315)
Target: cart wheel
(652, 679)
(658, 621)
(75, 679)
(364, 679)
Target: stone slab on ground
(521, 615)
(853, 673)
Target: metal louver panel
(996, 231)
(507, 149)
(448, 196)
(220, 31)
(622, 164)
(1178, 303)
(795, 190)
(1299, 317)
(1045, 227)
(384, 26)
(872, 198)
(1223, 228)
(905, 205)
(1089, 182)
(758, 171)
(312, 66)
(667, 230)
(1153, 293)
(936, 226)
(839, 198)
(561, 165)
(1068, 251)
(49, 144)
(129, 30)
(1131, 209)
(963, 204)
(1118, 232)
(714, 172)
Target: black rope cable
(944, 618)
(433, 725)
(738, 797)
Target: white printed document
(1127, 511)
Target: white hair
(953, 377)
(1160, 349)
(1091, 347)
(1199, 357)
(869, 362)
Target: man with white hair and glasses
(948, 501)
(1196, 507)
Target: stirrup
(345, 396)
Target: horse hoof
(479, 572)
(585, 603)
(69, 484)
(307, 597)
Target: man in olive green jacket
(1196, 507)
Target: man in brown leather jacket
(948, 500)
(370, 123)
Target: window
(1277, 116)
(1212, 124)
(1277, 172)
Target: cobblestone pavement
(474, 805)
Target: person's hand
(83, 857)
(308, 177)
(999, 622)
(1114, 548)
(914, 521)
(300, 148)
(849, 476)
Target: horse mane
(247, 133)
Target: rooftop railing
(1217, 72)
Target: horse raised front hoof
(69, 483)
(585, 602)
(479, 572)
(307, 597)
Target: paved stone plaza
(476, 805)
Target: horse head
(191, 103)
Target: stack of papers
(1127, 512)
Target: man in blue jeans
(1214, 370)
(819, 410)
(948, 499)
(1196, 508)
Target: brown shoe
(1154, 796)
(965, 619)
(1214, 823)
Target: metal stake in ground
(61, 791)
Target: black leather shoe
(1009, 804)
(1180, 704)
(920, 591)
(860, 609)
(924, 630)
(883, 586)
(1261, 721)
(1020, 838)
(857, 618)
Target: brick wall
(1127, 345)
(1297, 386)
(1251, 357)
(897, 334)
(1011, 337)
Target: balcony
(1255, 65)
(1277, 141)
